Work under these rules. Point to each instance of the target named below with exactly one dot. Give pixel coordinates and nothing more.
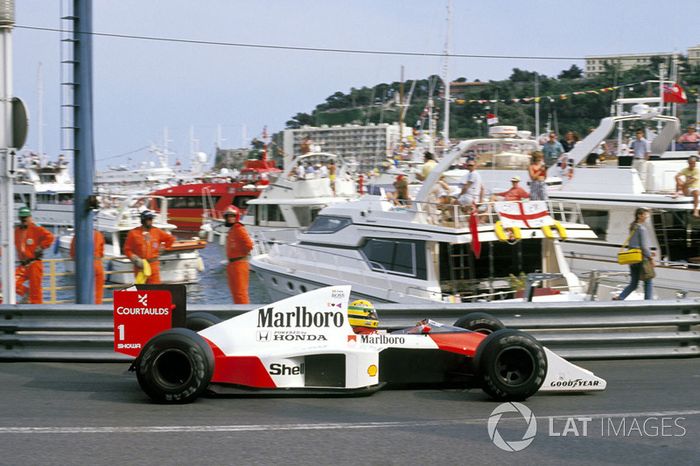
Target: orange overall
(238, 246)
(98, 254)
(146, 243)
(27, 240)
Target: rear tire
(511, 364)
(175, 366)
(200, 320)
(480, 322)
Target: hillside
(567, 101)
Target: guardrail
(591, 330)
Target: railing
(597, 330)
(456, 216)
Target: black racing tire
(511, 364)
(200, 320)
(480, 322)
(175, 366)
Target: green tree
(572, 73)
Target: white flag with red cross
(530, 214)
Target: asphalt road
(60, 413)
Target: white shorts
(466, 199)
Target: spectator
(639, 238)
(690, 135)
(323, 171)
(551, 150)
(641, 150)
(515, 193)
(538, 175)
(428, 164)
(401, 191)
(569, 141)
(688, 182)
(566, 166)
(472, 189)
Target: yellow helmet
(361, 313)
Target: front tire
(480, 322)
(512, 365)
(175, 366)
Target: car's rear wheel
(200, 320)
(175, 366)
(512, 365)
(480, 322)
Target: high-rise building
(595, 64)
(368, 145)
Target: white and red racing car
(305, 344)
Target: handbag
(629, 256)
(648, 271)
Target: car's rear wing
(142, 311)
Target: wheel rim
(172, 369)
(515, 366)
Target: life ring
(548, 233)
(502, 235)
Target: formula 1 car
(305, 345)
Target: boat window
(271, 213)
(396, 257)
(189, 202)
(598, 221)
(327, 224)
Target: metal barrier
(591, 330)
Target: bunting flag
(673, 93)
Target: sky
(141, 88)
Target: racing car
(306, 345)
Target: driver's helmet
(362, 316)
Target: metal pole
(84, 162)
(7, 240)
(537, 107)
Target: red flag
(673, 93)
(491, 119)
(473, 229)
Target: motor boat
(426, 252)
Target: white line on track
(320, 426)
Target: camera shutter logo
(512, 445)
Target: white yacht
(290, 203)
(181, 263)
(47, 189)
(423, 252)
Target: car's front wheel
(175, 366)
(512, 365)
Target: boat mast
(40, 110)
(446, 130)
